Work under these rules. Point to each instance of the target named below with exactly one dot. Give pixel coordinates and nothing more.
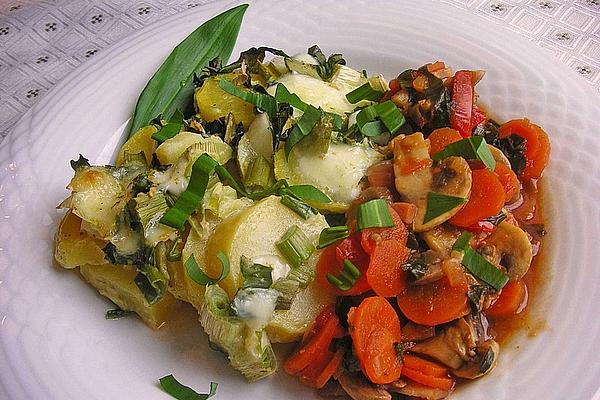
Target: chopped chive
(194, 271)
(283, 95)
(259, 173)
(307, 193)
(255, 275)
(331, 235)
(181, 392)
(480, 267)
(117, 313)
(298, 206)
(440, 203)
(227, 179)
(174, 253)
(172, 128)
(262, 101)
(295, 246)
(303, 127)
(374, 214)
(364, 92)
(472, 148)
(192, 195)
(347, 278)
(371, 120)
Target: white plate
(54, 340)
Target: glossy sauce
(530, 214)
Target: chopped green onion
(298, 206)
(295, 246)
(307, 193)
(347, 278)
(439, 203)
(259, 173)
(255, 275)
(228, 179)
(374, 214)
(194, 271)
(172, 128)
(303, 127)
(262, 101)
(287, 288)
(364, 92)
(148, 208)
(117, 313)
(331, 235)
(181, 392)
(480, 267)
(175, 253)
(472, 148)
(193, 194)
(372, 119)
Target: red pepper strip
(462, 97)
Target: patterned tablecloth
(42, 41)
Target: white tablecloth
(42, 41)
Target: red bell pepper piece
(462, 97)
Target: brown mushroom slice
(452, 348)
(414, 389)
(483, 363)
(357, 387)
(513, 249)
(451, 176)
(441, 238)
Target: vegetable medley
(386, 226)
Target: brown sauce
(530, 214)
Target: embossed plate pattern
(54, 340)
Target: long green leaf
(171, 87)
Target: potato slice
(75, 247)
(289, 325)
(141, 140)
(253, 233)
(213, 102)
(116, 283)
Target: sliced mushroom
(430, 269)
(414, 389)
(510, 247)
(483, 363)
(441, 238)
(416, 176)
(359, 388)
(452, 348)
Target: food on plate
(387, 227)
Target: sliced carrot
(385, 274)
(312, 349)
(371, 237)
(394, 87)
(487, 198)
(442, 137)
(375, 330)
(330, 368)
(512, 300)
(309, 375)
(508, 179)
(428, 380)
(331, 262)
(406, 211)
(435, 303)
(424, 366)
(537, 145)
(381, 174)
(412, 332)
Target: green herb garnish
(439, 203)
(480, 267)
(194, 271)
(376, 119)
(171, 86)
(364, 92)
(262, 101)
(374, 214)
(307, 193)
(298, 206)
(255, 275)
(295, 246)
(347, 278)
(117, 313)
(331, 235)
(181, 392)
(472, 148)
(303, 127)
(172, 128)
